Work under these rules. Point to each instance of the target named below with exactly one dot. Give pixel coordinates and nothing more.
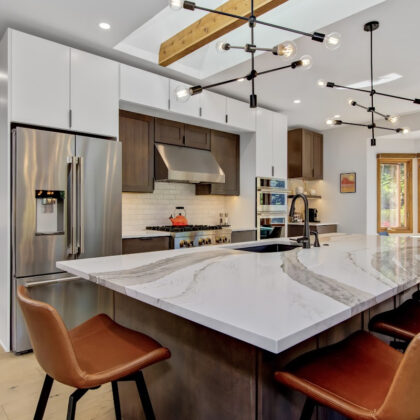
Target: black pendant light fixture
(369, 27)
(286, 50)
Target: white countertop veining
(144, 234)
(272, 300)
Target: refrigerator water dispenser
(49, 212)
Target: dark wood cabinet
(225, 148)
(298, 230)
(305, 154)
(197, 137)
(169, 132)
(136, 136)
(137, 245)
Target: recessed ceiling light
(105, 26)
(337, 116)
(297, 101)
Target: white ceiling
(75, 23)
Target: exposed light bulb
(405, 130)
(333, 41)
(322, 83)
(286, 49)
(393, 119)
(222, 46)
(351, 102)
(176, 4)
(306, 62)
(329, 121)
(182, 93)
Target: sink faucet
(306, 239)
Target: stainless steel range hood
(183, 164)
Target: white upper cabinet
(213, 107)
(94, 97)
(144, 88)
(280, 145)
(190, 107)
(264, 143)
(40, 81)
(240, 115)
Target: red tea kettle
(179, 219)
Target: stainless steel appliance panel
(100, 194)
(65, 294)
(40, 163)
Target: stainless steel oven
(271, 207)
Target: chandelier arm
(334, 85)
(273, 70)
(223, 83)
(397, 130)
(415, 100)
(283, 28)
(219, 12)
(354, 124)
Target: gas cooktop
(188, 228)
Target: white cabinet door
(94, 94)
(240, 115)
(264, 144)
(212, 107)
(144, 88)
(191, 107)
(40, 81)
(280, 145)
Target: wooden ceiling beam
(211, 27)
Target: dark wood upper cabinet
(305, 154)
(197, 137)
(169, 132)
(225, 148)
(136, 136)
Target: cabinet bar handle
(70, 118)
(227, 118)
(272, 171)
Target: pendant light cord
(372, 92)
(253, 43)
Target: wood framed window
(395, 193)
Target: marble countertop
(144, 234)
(312, 223)
(272, 300)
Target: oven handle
(47, 282)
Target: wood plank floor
(21, 380)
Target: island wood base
(212, 376)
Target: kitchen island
(231, 317)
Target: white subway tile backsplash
(141, 210)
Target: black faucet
(306, 239)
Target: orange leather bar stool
(402, 323)
(361, 378)
(94, 353)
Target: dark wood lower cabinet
(244, 236)
(137, 138)
(225, 148)
(137, 245)
(297, 230)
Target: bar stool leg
(71, 412)
(43, 398)
(144, 396)
(308, 409)
(116, 397)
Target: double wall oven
(271, 208)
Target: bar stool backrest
(403, 399)
(50, 340)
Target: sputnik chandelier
(393, 119)
(286, 49)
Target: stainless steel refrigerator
(66, 191)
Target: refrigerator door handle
(72, 161)
(81, 243)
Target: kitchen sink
(269, 248)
